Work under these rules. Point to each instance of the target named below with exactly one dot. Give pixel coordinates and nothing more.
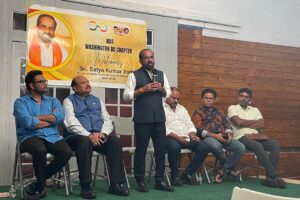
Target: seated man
(37, 117)
(89, 128)
(246, 119)
(215, 129)
(181, 133)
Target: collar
(168, 107)
(248, 107)
(81, 97)
(44, 45)
(31, 97)
(206, 108)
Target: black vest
(148, 107)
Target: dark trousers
(143, 133)
(174, 147)
(84, 148)
(258, 147)
(39, 148)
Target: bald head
(81, 85)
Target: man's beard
(149, 65)
(45, 37)
(173, 105)
(42, 91)
(244, 104)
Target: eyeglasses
(41, 82)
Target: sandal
(218, 176)
(234, 173)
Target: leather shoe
(163, 186)
(30, 189)
(87, 192)
(276, 182)
(142, 186)
(35, 196)
(118, 189)
(280, 182)
(176, 182)
(188, 179)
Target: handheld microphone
(154, 75)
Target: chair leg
(240, 176)
(206, 174)
(106, 170)
(190, 155)
(69, 177)
(66, 181)
(126, 175)
(152, 167)
(96, 170)
(257, 169)
(167, 177)
(13, 180)
(20, 174)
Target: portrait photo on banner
(64, 43)
(49, 40)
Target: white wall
(265, 21)
(13, 47)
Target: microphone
(154, 75)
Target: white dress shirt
(47, 55)
(74, 126)
(178, 122)
(131, 84)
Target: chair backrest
(123, 125)
(246, 194)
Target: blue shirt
(27, 108)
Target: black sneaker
(176, 182)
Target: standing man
(89, 129)
(43, 49)
(181, 133)
(216, 132)
(246, 119)
(37, 117)
(147, 86)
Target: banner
(65, 43)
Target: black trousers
(258, 147)
(84, 148)
(143, 133)
(39, 148)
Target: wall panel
(272, 71)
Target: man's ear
(31, 85)
(74, 88)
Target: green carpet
(204, 191)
